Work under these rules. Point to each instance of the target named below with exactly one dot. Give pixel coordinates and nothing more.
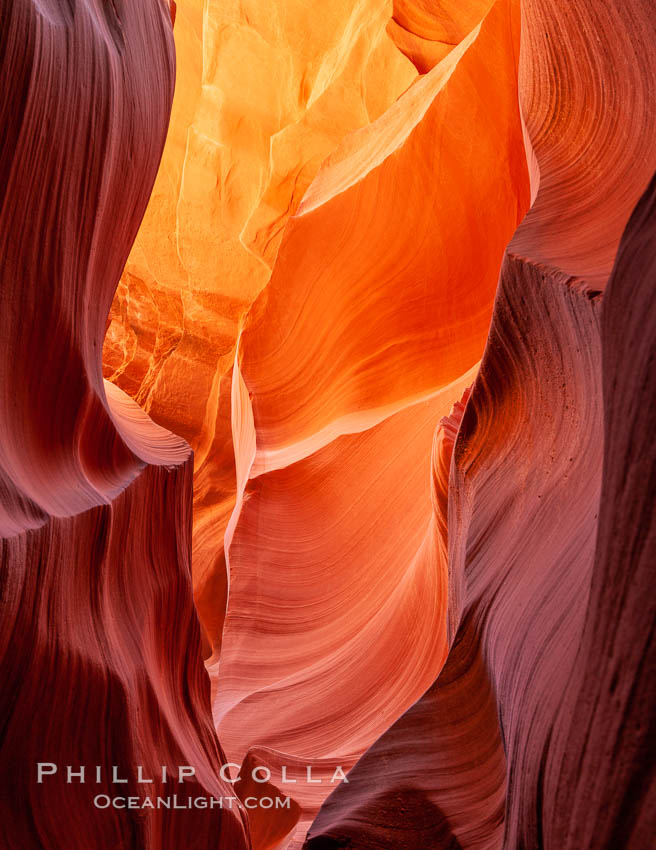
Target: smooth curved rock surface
(514, 552)
(600, 773)
(319, 603)
(302, 377)
(535, 733)
(586, 82)
(427, 31)
(96, 498)
(460, 616)
(264, 93)
(325, 598)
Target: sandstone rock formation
(328, 446)
(264, 93)
(321, 405)
(100, 643)
(535, 733)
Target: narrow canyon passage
(326, 403)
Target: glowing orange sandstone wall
(311, 290)
(368, 292)
(264, 93)
(375, 303)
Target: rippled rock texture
(396, 515)
(535, 733)
(101, 658)
(265, 91)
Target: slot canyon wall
(327, 404)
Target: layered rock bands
(326, 449)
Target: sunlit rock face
(317, 407)
(399, 494)
(244, 157)
(264, 93)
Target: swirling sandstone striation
(427, 309)
(355, 349)
(427, 31)
(536, 732)
(587, 89)
(310, 291)
(96, 498)
(520, 558)
(264, 93)
(600, 776)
